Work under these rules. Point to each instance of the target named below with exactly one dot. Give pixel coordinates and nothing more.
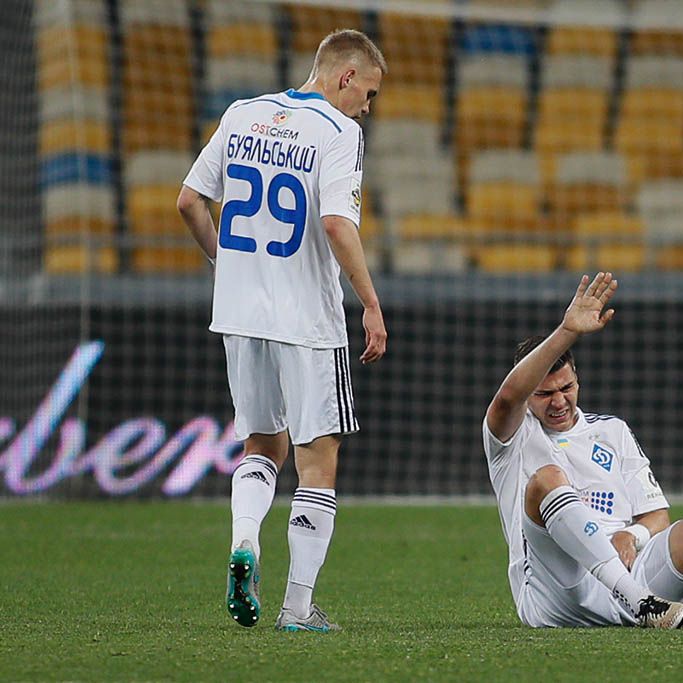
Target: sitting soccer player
(587, 525)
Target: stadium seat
(310, 24)
(432, 243)
(70, 56)
(516, 258)
(407, 185)
(660, 204)
(650, 120)
(161, 241)
(79, 102)
(435, 227)
(420, 102)
(587, 182)
(242, 39)
(606, 241)
(491, 101)
(573, 103)
(155, 167)
(505, 39)
(251, 74)
(490, 117)
(71, 135)
(416, 47)
(75, 245)
(75, 137)
(649, 16)
(572, 40)
(504, 190)
(404, 136)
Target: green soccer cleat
(316, 621)
(242, 598)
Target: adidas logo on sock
(302, 521)
(255, 475)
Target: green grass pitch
(111, 591)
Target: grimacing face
(361, 85)
(554, 399)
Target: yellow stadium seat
(163, 134)
(80, 40)
(167, 260)
(66, 250)
(517, 258)
(435, 227)
(647, 103)
(588, 104)
(657, 42)
(608, 224)
(70, 136)
(646, 165)
(642, 136)
(68, 73)
(618, 258)
(311, 24)
(67, 56)
(607, 241)
(565, 202)
(422, 102)
(415, 47)
(152, 217)
(504, 205)
(564, 40)
(553, 137)
(669, 258)
(152, 211)
(490, 117)
(80, 259)
(242, 38)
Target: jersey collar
(296, 95)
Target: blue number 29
(250, 207)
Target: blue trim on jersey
(317, 111)
(295, 94)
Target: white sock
(570, 524)
(311, 523)
(253, 489)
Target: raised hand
(585, 312)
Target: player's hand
(625, 544)
(585, 312)
(375, 335)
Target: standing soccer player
(590, 539)
(287, 169)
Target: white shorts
(560, 592)
(277, 386)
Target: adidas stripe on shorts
(277, 386)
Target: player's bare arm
(348, 250)
(625, 541)
(194, 208)
(585, 314)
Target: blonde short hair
(347, 44)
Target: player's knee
(542, 482)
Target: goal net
(515, 144)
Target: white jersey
(599, 455)
(279, 163)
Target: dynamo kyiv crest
(602, 457)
